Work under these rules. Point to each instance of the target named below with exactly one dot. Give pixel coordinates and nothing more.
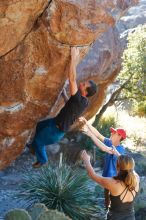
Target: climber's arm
(72, 70)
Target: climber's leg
(48, 135)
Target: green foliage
(17, 214)
(104, 125)
(134, 66)
(62, 188)
(140, 109)
(132, 78)
(52, 215)
(100, 155)
(99, 191)
(86, 143)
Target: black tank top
(120, 209)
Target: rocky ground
(10, 180)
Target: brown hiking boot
(38, 164)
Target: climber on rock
(52, 130)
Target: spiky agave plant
(63, 188)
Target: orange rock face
(35, 41)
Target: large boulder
(35, 42)
(135, 16)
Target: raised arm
(103, 181)
(92, 129)
(96, 132)
(72, 70)
(98, 143)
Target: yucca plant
(63, 188)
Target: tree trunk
(114, 97)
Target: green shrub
(140, 109)
(99, 191)
(86, 143)
(104, 125)
(63, 188)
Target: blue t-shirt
(109, 169)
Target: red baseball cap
(120, 131)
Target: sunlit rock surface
(35, 41)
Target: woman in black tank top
(123, 187)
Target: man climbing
(52, 130)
